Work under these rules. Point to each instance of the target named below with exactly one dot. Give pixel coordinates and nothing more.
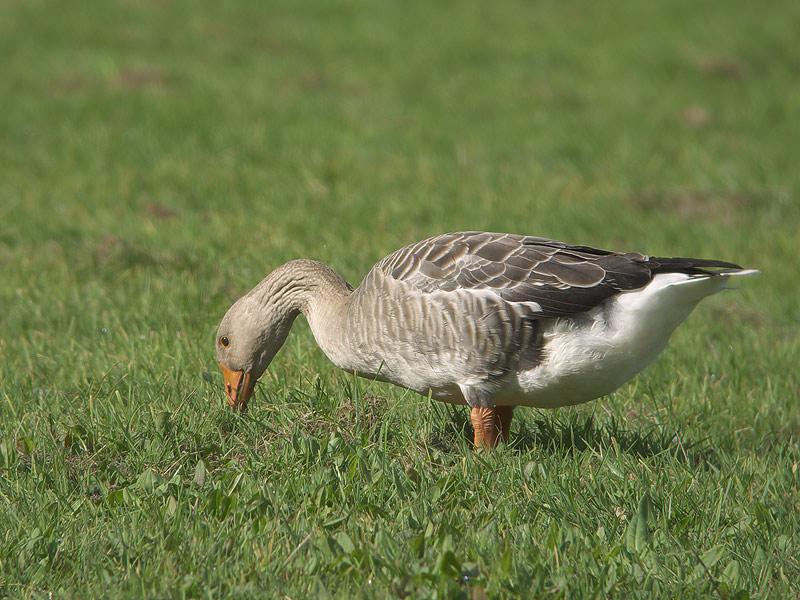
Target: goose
(488, 320)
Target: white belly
(592, 355)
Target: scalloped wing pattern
(560, 278)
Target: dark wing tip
(687, 265)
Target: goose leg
(491, 425)
(505, 414)
(482, 422)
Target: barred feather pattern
(454, 315)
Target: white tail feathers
(742, 272)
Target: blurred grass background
(158, 158)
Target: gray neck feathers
(311, 288)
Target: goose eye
(224, 341)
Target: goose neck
(315, 290)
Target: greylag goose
(490, 320)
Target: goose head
(248, 338)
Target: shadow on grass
(570, 434)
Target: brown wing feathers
(562, 279)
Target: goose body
(484, 319)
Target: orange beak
(238, 387)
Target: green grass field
(157, 159)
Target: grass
(157, 159)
